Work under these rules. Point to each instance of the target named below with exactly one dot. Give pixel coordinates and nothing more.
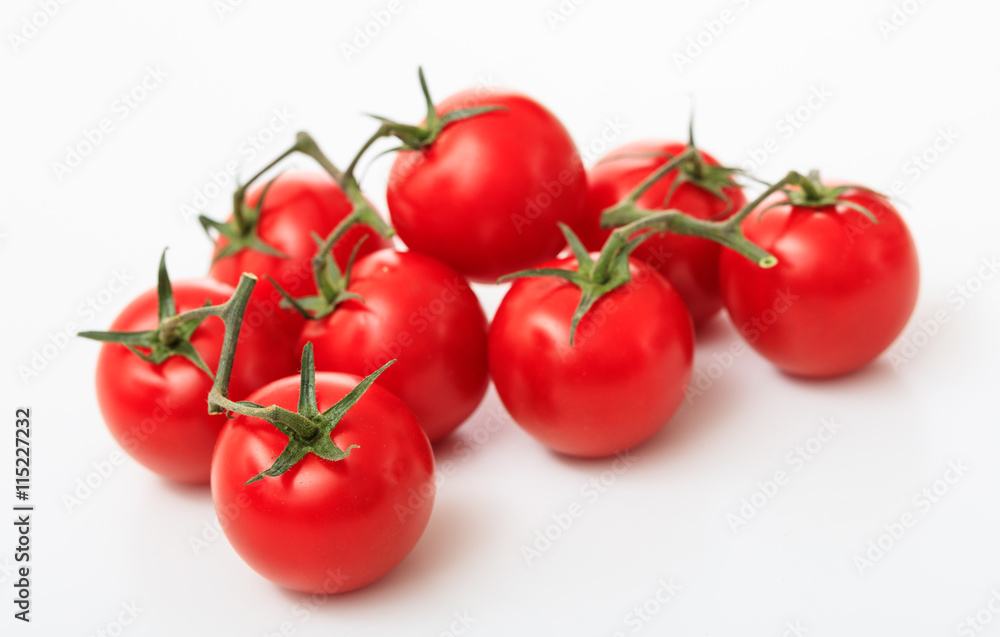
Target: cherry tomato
(158, 413)
(421, 312)
(841, 293)
(326, 526)
(297, 204)
(486, 196)
(616, 386)
(690, 264)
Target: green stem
(811, 188)
(305, 144)
(168, 328)
(232, 316)
(300, 424)
(658, 174)
(383, 131)
(336, 235)
(231, 312)
(728, 233)
(725, 233)
(791, 178)
(431, 121)
(240, 193)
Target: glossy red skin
(856, 282)
(158, 413)
(298, 204)
(423, 313)
(690, 264)
(465, 199)
(617, 386)
(324, 526)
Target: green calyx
(629, 218)
(594, 278)
(308, 429)
(692, 168)
(241, 231)
(633, 225)
(172, 336)
(810, 192)
(421, 136)
(331, 283)
(698, 172)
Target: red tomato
(485, 197)
(690, 264)
(841, 293)
(325, 526)
(421, 312)
(157, 413)
(617, 386)
(297, 204)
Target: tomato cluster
(330, 462)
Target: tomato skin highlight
(486, 196)
(421, 312)
(691, 264)
(621, 382)
(298, 204)
(324, 526)
(843, 290)
(158, 413)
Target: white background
(889, 97)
